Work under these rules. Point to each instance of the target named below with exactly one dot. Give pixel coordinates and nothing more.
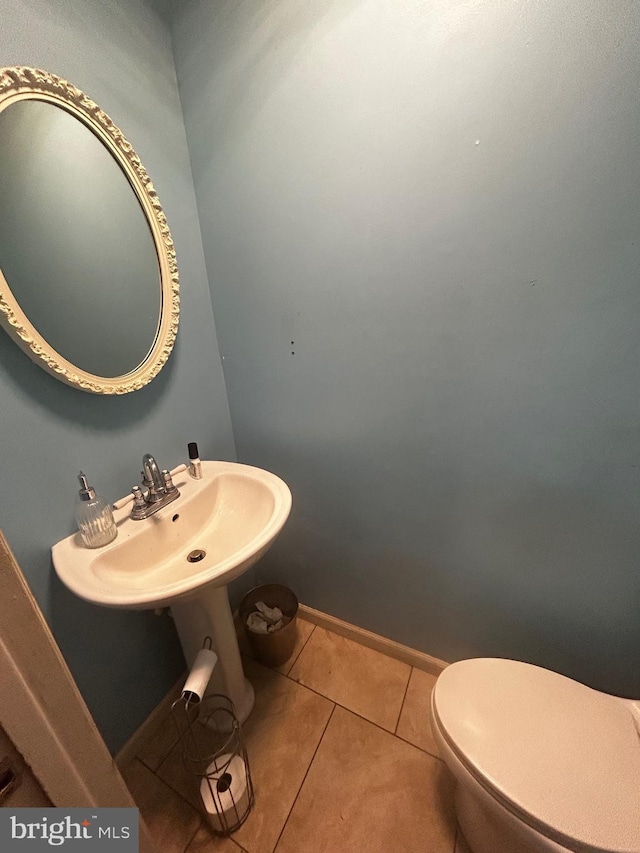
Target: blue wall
(124, 662)
(438, 205)
(421, 228)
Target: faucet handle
(168, 482)
(138, 497)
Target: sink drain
(196, 556)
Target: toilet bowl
(542, 763)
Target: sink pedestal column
(209, 615)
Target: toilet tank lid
(562, 756)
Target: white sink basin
(233, 514)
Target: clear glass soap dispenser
(95, 519)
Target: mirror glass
(75, 245)
(89, 285)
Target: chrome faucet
(152, 478)
(157, 489)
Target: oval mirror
(88, 278)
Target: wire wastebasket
(213, 751)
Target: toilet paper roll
(196, 683)
(225, 792)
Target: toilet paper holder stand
(213, 749)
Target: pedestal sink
(183, 557)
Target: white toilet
(543, 764)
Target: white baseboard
(406, 654)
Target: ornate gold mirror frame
(20, 83)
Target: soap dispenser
(95, 519)
(195, 465)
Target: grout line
(174, 790)
(204, 825)
(177, 794)
(148, 729)
(313, 757)
(404, 698)
(355, 713)
(366, 719)
(346, 708)
(302, 648)
(144, 764)
(421, 748)
(196, 831)
(242, 849)
(159, 767)
(162, 760)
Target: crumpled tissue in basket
(265, 620)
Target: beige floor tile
(159, 744)
(165, 736)
(281, 736)
(370, 791)
(205, 842)
(461, 844)
(172, 822)
(364, 681)
(415, 718)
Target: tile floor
(341, 755)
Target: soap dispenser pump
(95, 520)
